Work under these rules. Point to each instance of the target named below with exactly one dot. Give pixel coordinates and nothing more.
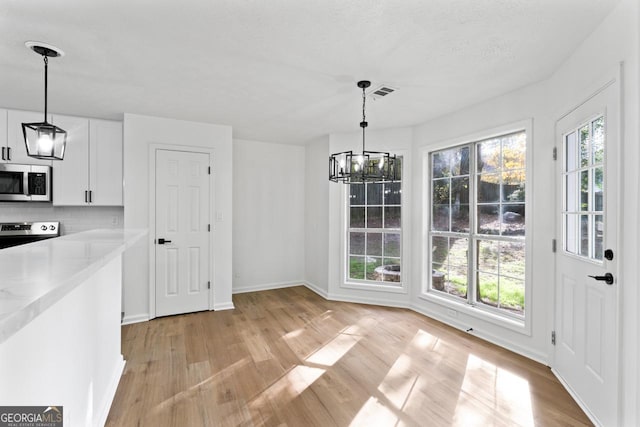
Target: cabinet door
(105, 170)
(15, 138)
(71, 175)
(3, 134)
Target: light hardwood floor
(290, 358)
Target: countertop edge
(13, 322)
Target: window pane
(390, 270)
(488, 188)
(392, 193)
(489, 219)
(571, 231)
(374, 194)
(584, 146)
(356, 243)
(571, 152)
(512, 259)
(597, 143)
(456, 284)
(584, 190)
(392, 244)
(488, 289)
(357, 218)
(598, 236)
(392, 217)
(374, 244)
(440, 218)
(356, 267)
(374, 217)
(513, 220)
(441, 164)
(513, 186)
(512, 294)
(356, 194)
(571, 191)
(371, 264)
(514, 151)
(598, 188)
(460, 161)
(488, 156)
(438, 275)
(584, 235)
(488, 254)
(441, 195)
(440, 250)
(458, 249)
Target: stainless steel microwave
(25, 183)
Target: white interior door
(182, 235)
(586, 317)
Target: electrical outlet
(451, 312)
(114, 220)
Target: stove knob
(43, 228)
(52, 227)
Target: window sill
(519, 326)
(401, 289)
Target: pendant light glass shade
(367, 166)
(44, 140)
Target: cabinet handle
(86, 196)
(3, 153)
(90, 196)
(9, 153)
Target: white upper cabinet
(105, 162)
(15, 150)
(91, 172)
(71, 175)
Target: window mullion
(472, 256)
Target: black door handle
(163, 241)
(607, 278)
(3, 153)
(9, 153)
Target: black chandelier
(43, 139)
(369, 166)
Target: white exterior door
(182, 235)
(586, 316)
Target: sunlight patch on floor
(495, 391)
(333, 351)
(374, 413)
(289, 386)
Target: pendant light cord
(46, 65)
(363, 124)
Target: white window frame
(379, 286)
(489, 314)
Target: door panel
(586, 354)
(182, 218)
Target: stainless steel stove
(20, 233)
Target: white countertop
(35, 276)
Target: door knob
(163, 241)
(607, 278)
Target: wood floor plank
(288, 357)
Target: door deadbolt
(608, 254)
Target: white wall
(268, 215)
(317, 215)
(73, 219)
(398, 141)
(139, 133)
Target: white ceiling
(284, 70)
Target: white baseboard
(223, 306)
(371, 301)
(523, 351)
(315, 288)
(110, 393)
(575, 397)
(137, 318)
(267, 286)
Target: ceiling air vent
(381, 92)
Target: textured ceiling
(284, 70)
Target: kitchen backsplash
(73, 219)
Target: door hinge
(208, 285)
(553, 337)
(209, 170)
(553, 245)
(555, 153)
(209, 227)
